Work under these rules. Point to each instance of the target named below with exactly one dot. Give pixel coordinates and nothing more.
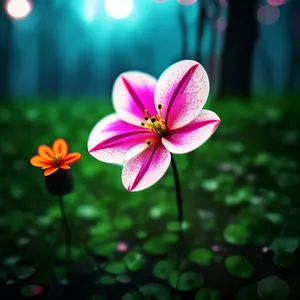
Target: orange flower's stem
(179, 202)
(66, 227)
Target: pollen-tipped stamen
(148, 142)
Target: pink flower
(154, 119)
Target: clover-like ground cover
(241, 210)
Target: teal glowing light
(119, 9)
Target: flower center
(155, 123)
(56, 160)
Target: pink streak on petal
(146, 168)
(132, 93)
(122, 247)
(112, 139)
(182, 90)
(193, 135)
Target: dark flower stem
(66, 227)
(179, 202)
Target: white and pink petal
(182, 90)
(133, 92)
(193, 135)
(145, 169)
(114, 141)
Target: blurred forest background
(240, 189)
(75, 49)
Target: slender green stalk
(66, 227)
(179, 202)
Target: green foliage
(164, 268)
(273, 288)
(201, 256)
(134, 260)
(238, 266)
(188, 280)
(207, 294)
(284, 244)
(116, 267)
(238, 189)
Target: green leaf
(164, 268)
(104, 249)
(116, 267)
(242, 195)
(188, 280)
(273, 288)
(154, 291)
(170, 237)
(175, 226)
(31, 290)
(133, 296)
(60, 272)
(201, 256)
(238, 266)
(236, 234)
(61, 252)
(22, 272)
(274, 218)
(87, 212)
(107, 280)
(141, 234)
(156, 246)
(123, 222)
(235, 147)
(207, 294)
(210, 185)
(134, 260)
(284, 244)
(286, 260)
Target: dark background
(240, 190)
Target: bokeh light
(268, 14)
(187, 2)
(122, 247)
(276, 2)
(119, 9)
(18, 9)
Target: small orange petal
(71, 158)
(60, 147)
(45, 152)
(38, 161)
(50, 171)
(65, 166)
(47, 167)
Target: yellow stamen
(147, 114)
(155, 123)
(148, 142)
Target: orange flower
(51, 160)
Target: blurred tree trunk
(5, 53)
(213, 43)
(238, 48)
(184, 33)
(200, 31)
(49, 64)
